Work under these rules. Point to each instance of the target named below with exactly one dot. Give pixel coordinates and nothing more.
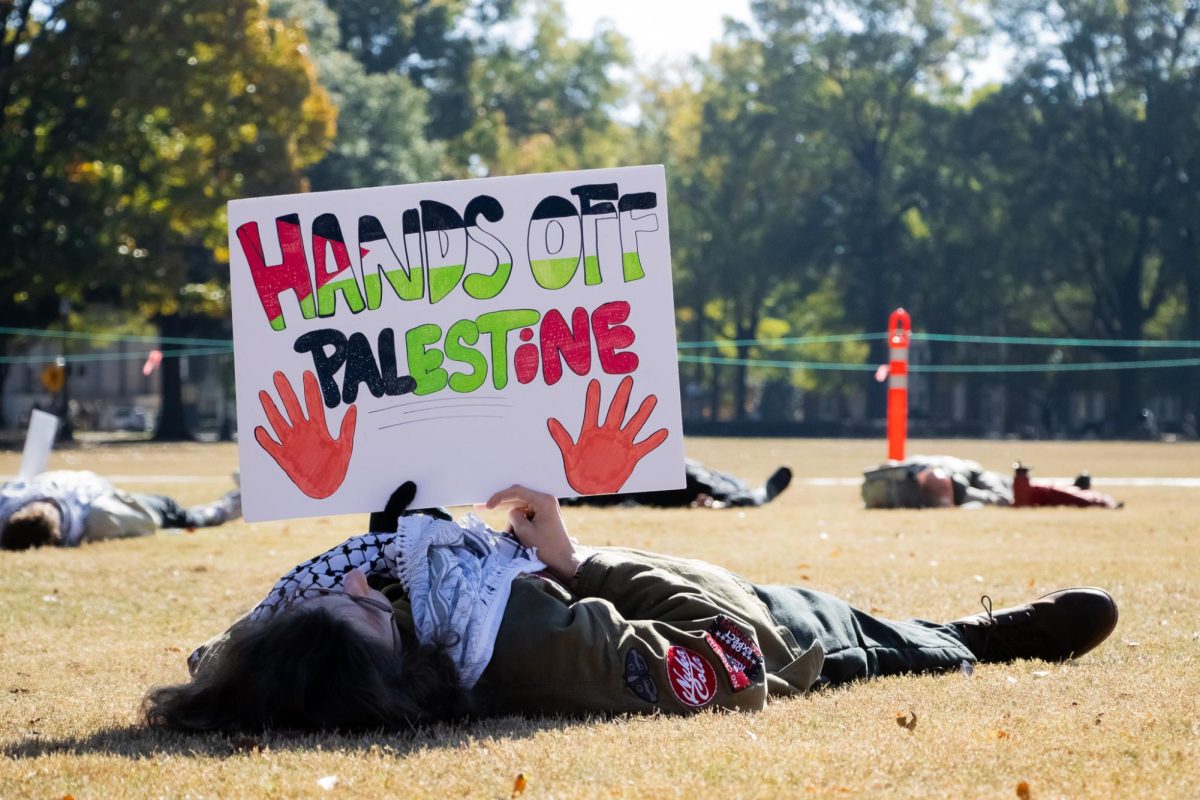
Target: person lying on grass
(65, 508)
(704, 487)
(432, 620)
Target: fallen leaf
(68, 797)
(328, 782)
(908, 720)
(999, 734)
(174, 649)
(1129, 643)
(1031, 583)
(519, 784)
(1023, 790)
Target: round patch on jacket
(692, 680)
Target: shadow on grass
(138, 742)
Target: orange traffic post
(899, 331)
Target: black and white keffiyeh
(458, 577)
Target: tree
(383, 117)
(814, 127)
(1098, 127)
(434, 44)
(125, 131)
(865, 78)
(546, 105)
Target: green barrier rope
(766, 362)
(1056, 342)
(1098, 366)
(915, 368)
(783, 340)
(779, 341)
(207, 347)
(943, 337)
(718, 360)
(75, 358)
(111, 337)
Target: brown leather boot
(1061, 625)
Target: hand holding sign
(603, 457)
(315, 461)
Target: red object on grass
(1031, 493)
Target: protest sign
(39, 441)
(465, 335)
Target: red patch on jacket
(692, 679)
(738, 650)
(737, 675)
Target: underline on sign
(426, 402)
(459, 405)
(448, 416)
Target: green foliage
(1093, 146)
(829, 148)
(825, 163)
(548, 104)
(382, 116)
(126, 129)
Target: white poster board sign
(465, 335)
(39, 441)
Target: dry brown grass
(84, 632)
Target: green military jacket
(641, 632)
(634, 632)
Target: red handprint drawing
(603, 457)
(315, 461)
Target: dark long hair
(306, 669)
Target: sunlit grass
(83, 634)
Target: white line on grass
(1180, 483)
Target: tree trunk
(1191, 375)
(714, 397)
(1129, 381)
(3, 379)
(172, 425)
(741, 371)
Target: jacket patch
(692, 679)
(737, 650)
(638, 677)
(737, 676)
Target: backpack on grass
(891, 486)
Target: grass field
(83, 634)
